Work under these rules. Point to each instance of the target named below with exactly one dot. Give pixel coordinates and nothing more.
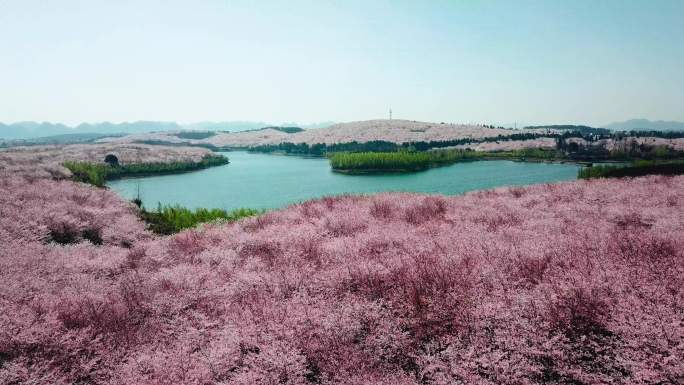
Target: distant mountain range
(645, 125)
(33, 130)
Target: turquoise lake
(270, 181)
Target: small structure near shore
(111, 160)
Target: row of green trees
(420, 160)
(650, 134)
(639, 168)
(97, 174)
(172, 219)
(525, 153)
(320, 149)
(630, 150)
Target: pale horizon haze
(493, 62)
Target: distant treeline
(401, 161)
(629, 150)
(287, 130)
(172, 219)
(320, 149)
(194, 134)
(97, 174)
(646, 134)
(594, 132)
(639, 168)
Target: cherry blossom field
(395, 131)
(625, 143)
(46, 161)
(509, 145)
(571, 283)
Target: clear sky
(306, 61)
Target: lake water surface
(271, 181)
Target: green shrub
(85, 172)
(379, 160)
(172, 219)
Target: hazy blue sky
(459, 61)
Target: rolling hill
(395, 131)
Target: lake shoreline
(296, 179)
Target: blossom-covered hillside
(46, 161)
(395, 131)
(573, 283)
(625, 143)
(509, 145)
